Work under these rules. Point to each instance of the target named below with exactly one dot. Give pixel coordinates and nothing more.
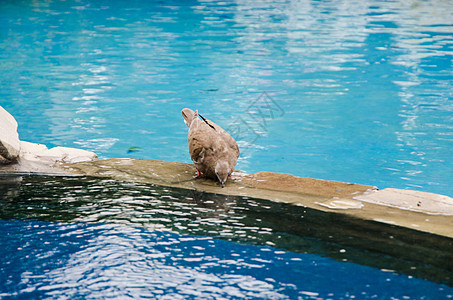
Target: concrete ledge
(420, 211)
(428, 203)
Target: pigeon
(213, 151)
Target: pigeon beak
(222, 184)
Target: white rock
(39, 152)
(9, 138)
(71, 155)
(31, 151)
(31, 156)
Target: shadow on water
(240, 219)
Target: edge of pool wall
(421, 211)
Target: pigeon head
(222, 171)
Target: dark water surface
(77, 237)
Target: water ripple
(87, 237)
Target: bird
(213, 151)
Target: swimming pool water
(48, 260)
(67, 238)
(362, 89)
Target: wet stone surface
(430, 213)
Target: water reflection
(239, 219)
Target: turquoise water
(357, 91)
(362, 89)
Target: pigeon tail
(188, 115)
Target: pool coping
(426, 212)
